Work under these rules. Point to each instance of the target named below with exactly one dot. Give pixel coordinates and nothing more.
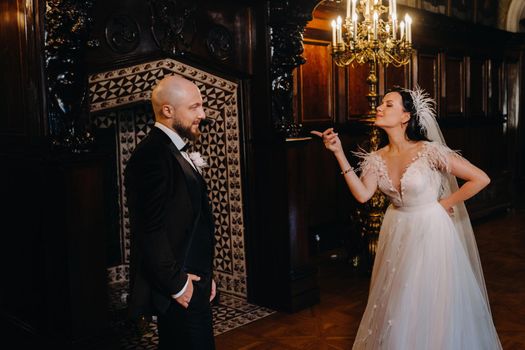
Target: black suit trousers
(191, 328)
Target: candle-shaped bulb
(394, 10)
(394, 25)
(334, 36)
(401, 30)
(354, 23)
(408, 21)
(348, 3)
(376, 17)
(339, 29)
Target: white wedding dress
(425, 293)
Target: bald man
(172, 230)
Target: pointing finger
(328, 131)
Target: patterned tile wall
(120, 99)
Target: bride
(427, 289)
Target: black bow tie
(185, 148)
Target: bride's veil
(449, 182)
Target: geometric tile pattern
(120, 99)
(234, 312)
(133, 84)
(231, 313)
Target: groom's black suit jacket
(172, 230)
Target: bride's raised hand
(330, 139)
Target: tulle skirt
(423, 293)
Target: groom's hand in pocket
(185, 298)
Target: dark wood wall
(22, 126)
(53, 248)
(21, 101)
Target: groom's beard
(185, 131)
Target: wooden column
(281, 274)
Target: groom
(172, 230)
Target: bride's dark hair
(414, 131)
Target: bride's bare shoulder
(381, 152)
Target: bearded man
(172, 229)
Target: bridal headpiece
(424, 107)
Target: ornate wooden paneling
(395, 76)
(357, 89)
(462, 9)
(315, 84)
(477, 87)
(499, 88)
(493, 89)
(514, 110)
(487, 12)
(21, 109)
(209, 32)
(66, 41)
(12, 97)
(454, 86)
(427, 73)
(75, 250)
(340, 94)
(322, 172)
(436, 6)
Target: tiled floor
(332, 324)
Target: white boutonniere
(198, 161)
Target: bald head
(171, 90)
(177, 104)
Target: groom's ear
(167, 110)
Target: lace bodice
(420, 182)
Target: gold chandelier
(369, 34)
